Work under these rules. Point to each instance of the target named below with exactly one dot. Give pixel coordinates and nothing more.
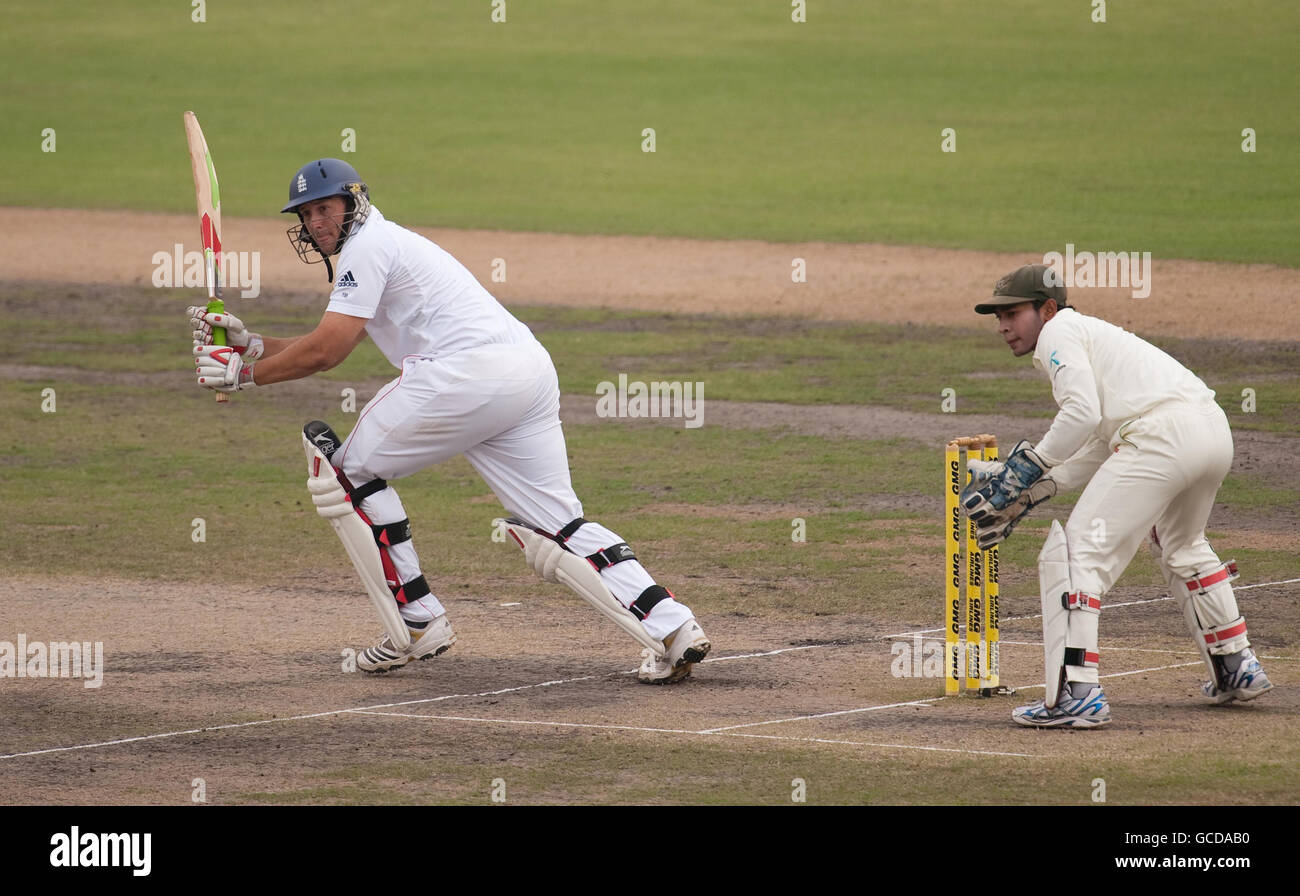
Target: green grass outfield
(1123, 135)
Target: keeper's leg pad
(1210, 611)
(555, 563)
(1070, 620)
(1209, 608)
(332, 502)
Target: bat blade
(207, 193)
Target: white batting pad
(358, 539)
(554, 564)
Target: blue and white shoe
(1246, 683)
(1089, 711)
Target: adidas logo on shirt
(346, 281)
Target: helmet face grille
(303, 244)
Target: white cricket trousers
(499, 405)
(1165, 471)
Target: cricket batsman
(1146, 436)
(472, 380)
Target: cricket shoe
(1246, 683)
(685, 647)
(1089, 711)
(429, 641)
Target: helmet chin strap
(329, 269)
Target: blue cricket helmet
(322, 179)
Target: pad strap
(1227, 574)
(567, 532)
(1081, 601)
(1226, 633)
(1086, 603)
(642, 606)
(390, 534)
(603, 559)
(361, 492)
(412, 590)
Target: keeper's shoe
(1246, 683)
(685, 647)
(427, 642)
(1089, 711)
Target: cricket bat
(208, 195)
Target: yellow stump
(952, 577)
(991, 595)
(974, 589)
(979, 580)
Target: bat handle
(216, 306)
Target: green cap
(1026, 284)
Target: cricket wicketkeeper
(1147, 437)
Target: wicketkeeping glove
(995, 527)
(994, 487)
(220, 367)
(238, 337)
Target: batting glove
(238, 337)
(220, 368)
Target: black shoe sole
(428, 656)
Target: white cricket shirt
(418, 299)
(1102, 376)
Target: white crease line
(1122, 674)
(823, 715)
(316, 715)
(713, 732)
(313, 715)
(416, 715)
(857, 743)
(1111, 648)
(1152, 669)
(166, 734)
(1264, 584)
(1131, 603)
(738, 656)
(926, 631)
(745, 656)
